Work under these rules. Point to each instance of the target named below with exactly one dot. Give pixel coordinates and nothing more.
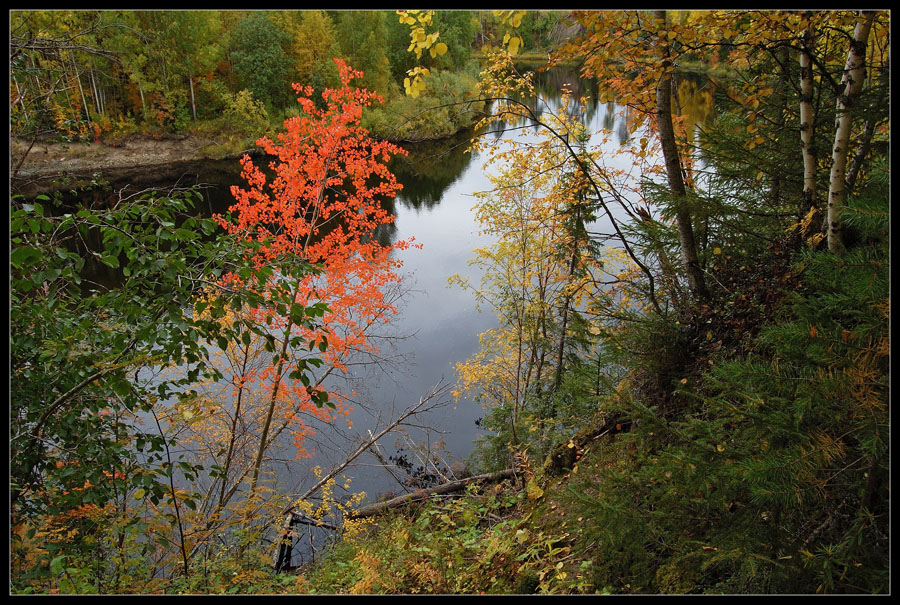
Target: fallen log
(283, 558)
(423, 494)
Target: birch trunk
(807, 125)
(143, 103)
(87, 111)
(98, 107)
(193, 104)
(854, 74)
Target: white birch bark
(854, 74)
(807, 125)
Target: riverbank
(44, 167)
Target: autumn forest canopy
(686, 389)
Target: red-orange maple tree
(321, 202)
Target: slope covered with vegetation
(727, 432)
(690, 373)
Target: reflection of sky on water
(441, 322)
(437, 326)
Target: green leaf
(22, 255)
(298, 313)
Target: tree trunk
(689, 256)
(854, 74)
(807, 125)
(143, 103)
(865, 144)
(780, 102)
(233, 436)
(97, 101)
(193, 104)
(87, 111)
(20, 97)
(273, 401)
(567, 300)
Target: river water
(437, 326)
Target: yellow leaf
(533, 490)
(514, 45)
(440, 48)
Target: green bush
(445, 108)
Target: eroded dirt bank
(48, 167)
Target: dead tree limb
(284, 552)
(418, 408)
(422, 494)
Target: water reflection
(437, 326)
(696, 101)
(430, 169)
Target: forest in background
(694, 402)
(92, 75)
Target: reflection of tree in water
(622, 131)
(585, 106)
(430, 168)
(386, 233)
(548, 83)
(695, 94)
(211, 179)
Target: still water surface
(437, 326)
